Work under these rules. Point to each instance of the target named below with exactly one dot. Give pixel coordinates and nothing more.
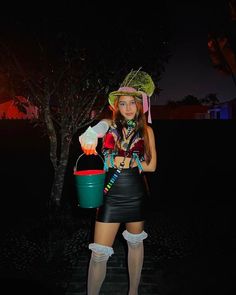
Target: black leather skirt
(127, 198)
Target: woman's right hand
(89, 141)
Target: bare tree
(66, 76)
(66, 92)
(221, 38)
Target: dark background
(194, 185)
(190, 218)
(196, 166)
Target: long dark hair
(119, 121)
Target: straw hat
(136, 83)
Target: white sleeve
(101, 128)
(91, 135)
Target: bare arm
(151, 167)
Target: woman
(129, 149)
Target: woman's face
(127, 107)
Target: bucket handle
(75, 167)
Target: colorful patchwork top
(136, 149)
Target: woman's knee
(100, 252)
(135, 227)
(134, 239)
(105, 233)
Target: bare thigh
(135, 227)
(105, 233)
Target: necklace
(131, 124)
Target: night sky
(181, 26)
(190, 69)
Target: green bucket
(89, 186)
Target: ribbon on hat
(145, 98)
(146, 105)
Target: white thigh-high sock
(97, 267)
(135, 259)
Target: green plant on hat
(139, 80)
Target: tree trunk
(60, 171)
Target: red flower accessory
(109, 141)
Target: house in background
(224, 111)
(17, 108)
(179, 112)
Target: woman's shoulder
(149, 128)
(150, 131)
